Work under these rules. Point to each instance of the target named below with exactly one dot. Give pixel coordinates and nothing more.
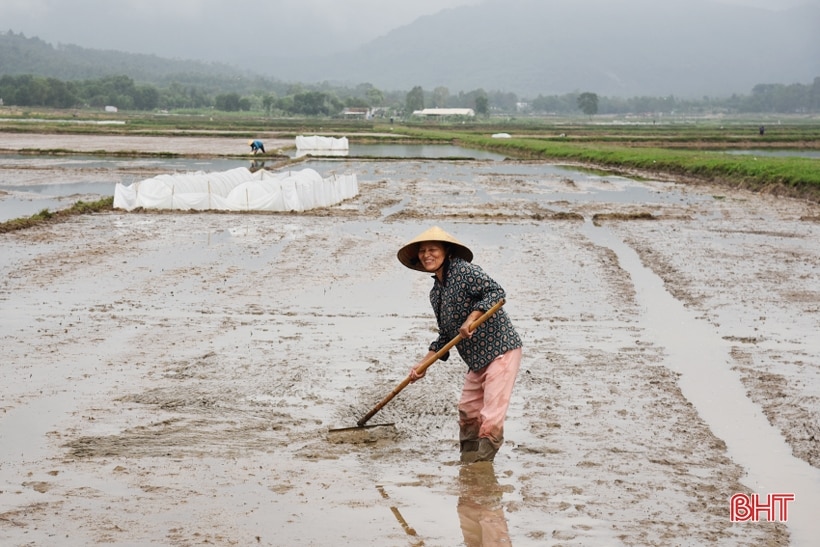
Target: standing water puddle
(701, 357)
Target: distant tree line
(34, 73)
(121, 91)
(764, 98)
(325, 100)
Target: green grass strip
(45, 216)
(794, 176)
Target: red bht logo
(745, 507)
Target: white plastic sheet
(238, 190)
(321, 146)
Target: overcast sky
(222, 30)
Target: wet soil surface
(171, 379)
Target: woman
(461, 293)
(257, 147)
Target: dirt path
(169, 379)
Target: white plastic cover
(321, 146)
(238, 190)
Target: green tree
(316, 103)
(814, 95)
(440, 96)
(415, 100)
(285, 104)
(368, 93)
(375, 97)
(146, 97)
(228, 102)
(504, 101)
(356, 102)
(268, 102)
(31, 91)
(482, 106)
(588, 103)
(310, 103)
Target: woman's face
(431, 255)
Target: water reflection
(256, 165)
(480, 512)
(300, 153)
(430, 151)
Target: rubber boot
(468, 436)
(486, 450)
(469, 450)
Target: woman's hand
(415, 375)
(464, 330)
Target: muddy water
(703, 360)
(31, 184)
(174, 377)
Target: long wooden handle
(429, 361)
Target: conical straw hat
(408, 254)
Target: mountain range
(531, 47)
(628, 48)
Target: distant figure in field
(256, 146)
(762, 130)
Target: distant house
(111, 109)
(356, 112)
(444, 112)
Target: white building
(443, 112)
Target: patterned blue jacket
(467, 288)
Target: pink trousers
(485, 398)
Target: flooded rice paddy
(31, 184)
(171, 379)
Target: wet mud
(173, 379)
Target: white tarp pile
(238, 190)
(321, 146)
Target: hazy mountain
(533, 47)
(22, 55)
(528, 47)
